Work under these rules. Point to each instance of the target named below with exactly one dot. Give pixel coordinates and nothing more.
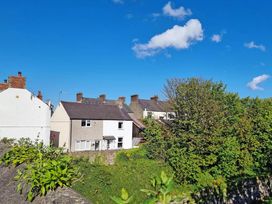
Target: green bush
(44, 169)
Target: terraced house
(153, 107)
(82, 126)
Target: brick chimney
(17, 81)
(102, 98)
(121, 101)
(79, 97)
(40, 95)
(154, 98)
(4, 85)
(134, 98)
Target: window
(120, 125)
(171, 116)
(120, 143)
(85, 123)
(82, 145)
(149, 114)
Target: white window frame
(82, 145)
(87, 123)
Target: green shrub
(45, 169)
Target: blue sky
(87, 45)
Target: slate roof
(107, 102)
(150, 105)
(94, 111)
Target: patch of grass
(132, 171)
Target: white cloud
(118, 1)
(252, 45)
(179, 13)
(179, 37)
(216, 38)
(254, 83)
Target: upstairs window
(85, 123)
(120, 125)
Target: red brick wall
(3, 86)
(17, 82)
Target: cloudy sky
(124, 47)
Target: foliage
(132, 170)
(44, 169)
(23, 151)
(123, 199)
(7, 141)
(163, 191)
(216, 137)
(155, 135)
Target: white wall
(23, 115)
(60, 122)
(157, 115)
(110, 128)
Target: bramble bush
(43, 168)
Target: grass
(132, 171)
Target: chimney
(102, 98)
(154, 98)
(79, 97)
(40, 95)
(121, 101)
(134, 98)
(5, 81)
(18, 82)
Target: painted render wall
(92, 133)
(110, 128)
(24, 115)
(60, 122)
(157, 115)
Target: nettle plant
(43, 168)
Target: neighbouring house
(155, 108)
(138, 126)
(91, 126)
(23, 115)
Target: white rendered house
(23, 115)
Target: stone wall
(107, 156)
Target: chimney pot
(5, 81)
(154, 98)
(79, 97)
(121, 101)
(19, 74)
(40, 95)
(134, 98)
(102, 98)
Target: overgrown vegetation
(132, 170)
(42, 168)
(216, 139)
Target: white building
(81, 127)
(23, 115)
(155, 108)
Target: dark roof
(95, 111)
(107, 102)
(157, 106)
